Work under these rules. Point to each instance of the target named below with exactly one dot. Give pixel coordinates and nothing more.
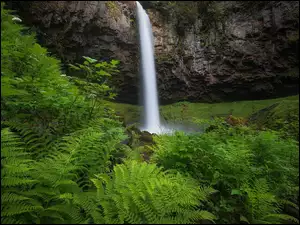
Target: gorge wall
(231, 50)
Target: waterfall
(151, 122)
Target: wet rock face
(253, 54)
(101, 30)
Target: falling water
(151, 121)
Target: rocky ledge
(250, 53)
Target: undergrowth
(234, 160)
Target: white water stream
(151, 121)
(151, 118)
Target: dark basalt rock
(72, 29)
(146, 137)
(251, 54)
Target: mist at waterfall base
(151, 120)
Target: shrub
(37, 99)
(229, 159)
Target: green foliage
(175, 112)
(35, 91)
(136, 191)
(277, 160)
(36, 142)
(56, 188)
(228, 158)
(263, 206)
(98, 141)
(282, 117)
(26, 66)
(16, 169)
(94, 77)
(63, 161)
(142, 193)
(57, 145)
(113, 9)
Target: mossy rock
(138, 137)
(281, 116)
(146, 137)
(236, 121)
(121, 118)
(147, 153)
(133, 128)
(133, 133)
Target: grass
(185, 111)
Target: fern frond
(12, 210)
(282, 217)
(52, 215)
(9, 220)
(244, 219)
(38, 144)
(263, 204)
(11, 197)
(286, 202)
(203, 215)
(143, 193)
(72, 212)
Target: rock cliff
(243, 50)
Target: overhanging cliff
(215, 51)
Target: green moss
(292, 73)
(282, 116)
(113, 8)
(164, 58)
(186, 13)
(186, 111)
(129, 113)
(293, 37)
(207, 110)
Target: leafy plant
(16, 168)
(142, 193)
(57, 187)
(34, 85)
(277, 161)
(228, 158)
(263, 206)
(94, 77)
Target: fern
(13, 155)
(43, 191)
(15, 179)
(67, 169)
(143, 193)
(286, 202)
(263, 206)
(280, 217)
(38, 142)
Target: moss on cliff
(113, 8)
(164, 58)
(184, 14)
(292, 73)
(293, 37)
